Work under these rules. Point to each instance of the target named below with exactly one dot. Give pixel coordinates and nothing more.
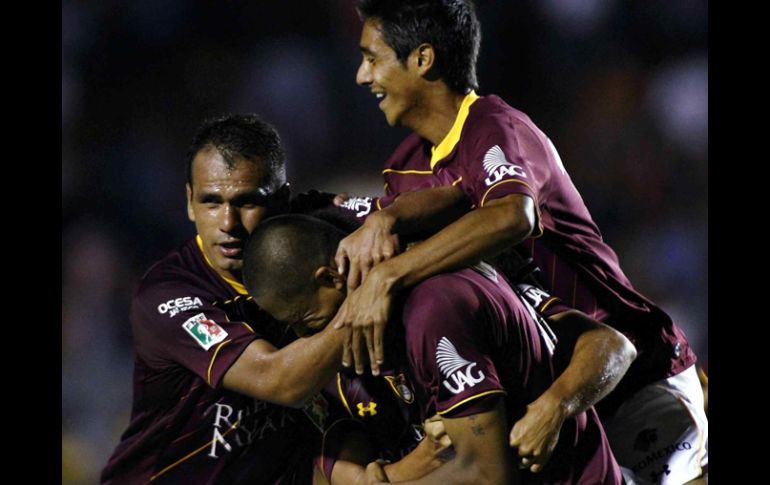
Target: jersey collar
(237, 286)
(450, 140)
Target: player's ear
(190, 213)
(329, 277)
(423, 57)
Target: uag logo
(205, 332)
(498, 167)
(362, 205)
(458, 371)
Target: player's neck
(436, 114)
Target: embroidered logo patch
(400, 388)
(497, 166)
(206, 332)
(458, 371)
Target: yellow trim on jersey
(496, 391)
(192, 453)
(247, 326)
(453, 137)
(548, 303)
(323, 444)
(457, 181)
(417, 172)
(213, 357)
(342, 394)
(237, 286)
(379, 207)
(483, 199)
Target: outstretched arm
(288, 376)
(600, 358)
(479, 234)
(481, 456)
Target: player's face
(305, 315)
(226, 204)
(394, 84)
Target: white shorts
(660, 434)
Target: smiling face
(398, 86)
(226, 202)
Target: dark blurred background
(620, 87)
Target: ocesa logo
(172, 307)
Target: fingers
(341, 258)
(340, 198)
(354, 276)
(514, 439)
(378, 356)
(347, 355)
(369, 336)
(357, 354)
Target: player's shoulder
(490, 116)
(178, 276)
(411, 145)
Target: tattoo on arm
(476, 428)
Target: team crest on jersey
(458, 371)
(206, 332)
(497, 166)
(362, 205)
(400, 387)
(317, 410)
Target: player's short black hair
(244, 136)
(283, 253)
(450, 26)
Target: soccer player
(474, 352)
(419, 61)
(215, 400)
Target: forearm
(479, 234)
(481, 456)
(420, 461)
(600, 359)
(425, 211)
(288, 376)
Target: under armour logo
(371, 408)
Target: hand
(434, 429)
(364, 314)
(375, 474)
(369, 245)
(340, 198)
(535, 435)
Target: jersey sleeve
(177, 324)
(449, 360)
(543, 302)
(502, 157)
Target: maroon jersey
(494, 150)
(190, 326)
(382, 407)
(470, 338)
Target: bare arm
(481, 233)
(600, 358)
(288, 376)
(350, 466)
(424, 211)
(481, 455)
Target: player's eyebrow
(365, 50)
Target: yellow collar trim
(237, 286)
(450, 140)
